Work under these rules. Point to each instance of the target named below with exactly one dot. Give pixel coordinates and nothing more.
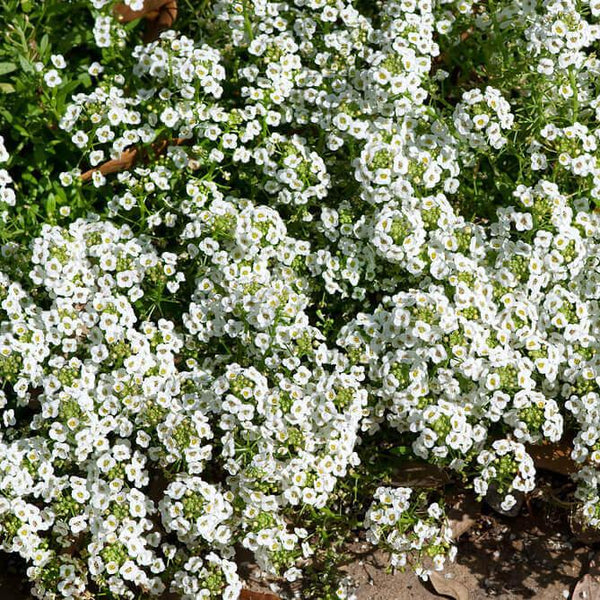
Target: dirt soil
(532, 556)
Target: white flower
(4, 156)
(52, 78)
(58, 60)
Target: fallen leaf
(125, 161)
(462, 514)
(587, 588)
(250, 595)
(159, 15)
(554, 457)
(448, 587)
(150, 10)
(594, 566)
(129, 157)
(418, 474)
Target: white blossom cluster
(481, 117)
(108, 30)
(289, 275)
(387, 527)
(506, 459)
(7, 193)
(182, 75)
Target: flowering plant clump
(250, 268)
(387, 527)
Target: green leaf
(30, 178)
(85, 79)
(7, 67)
(60, 194)
(24, 132)
(50, 204)
(25, 64)
(6, 114)
(44, 45)
(6, 88)
(39, 153)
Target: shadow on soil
(532, 555)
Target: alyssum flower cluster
(332, 238)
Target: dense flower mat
(346, 234)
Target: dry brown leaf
(448, 587)
(159, 15)
(125, 161)
(152, 10)
(250, 595)
(587, 588)
(462, 514)
(554, 457)
(594, 566)
(420, 474)
(129, 157)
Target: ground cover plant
(257, 257)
